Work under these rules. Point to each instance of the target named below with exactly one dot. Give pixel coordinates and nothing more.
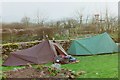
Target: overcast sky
(14, 11)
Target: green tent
(98, 44)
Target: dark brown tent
(42, 53)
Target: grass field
(98, 66)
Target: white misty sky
(14, 11)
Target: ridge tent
(41, 53)
(98, 44)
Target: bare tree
(80, 18)
(25, 20)
(107, 19)
(87, 20)
(38, 18)
(41, 18)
